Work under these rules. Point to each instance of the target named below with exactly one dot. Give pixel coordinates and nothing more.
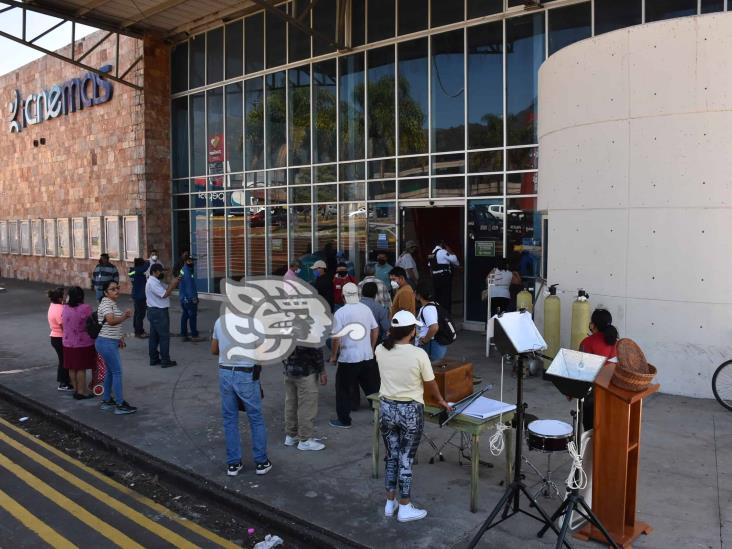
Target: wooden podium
(615, 460)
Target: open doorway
(426, 225)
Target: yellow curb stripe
(107, 499)
(154, 505)
(34, 524)
(109, 532)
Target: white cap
(319, 264)
(405, 318)
(350, 293)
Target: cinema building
(253, 134)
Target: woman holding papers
(406, 372)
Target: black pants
(140, 309)
(350, 374)
(62, 374)
(442, 284)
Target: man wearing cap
(188, 295)
(406, 261)
(158, 306)
(323, 283)
(355, 357)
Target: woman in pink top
(79, 352)
(54, 322)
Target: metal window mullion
(505, 131)
(465, 110)
(592, 17)
(643, 12)
(311, 129)
(429, 111)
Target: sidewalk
(685, 488)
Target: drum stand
(545, 483)
(575, 502)
(510, 502)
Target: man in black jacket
(323, 281)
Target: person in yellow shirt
(404, 296)
(406, 372)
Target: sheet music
(522, 332)
(483, 408)
(576, 365)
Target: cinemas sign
(75, 94)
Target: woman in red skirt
(79, 352)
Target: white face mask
(154, 257)
(297, 271)
(394, 285)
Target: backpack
(446, 333)
(92, 325)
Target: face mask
(154, 257)
(316, 273)
(297, 271)
(161, 276)
(394, 285)
(342, 274)
(382, 261)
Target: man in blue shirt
(138, 279)
(382, 269)
(188, 294)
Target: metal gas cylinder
(580, 319)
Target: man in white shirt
(158, 307)
(355, 358)
(442, 263)
(406, 261)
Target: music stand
(573, 373)
(516, 334)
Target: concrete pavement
(686, 455)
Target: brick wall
(110, 159)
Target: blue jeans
(240, 385)
(436, 351)
(109, 349)
(189, 314)
(159, 320)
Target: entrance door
(427, 225)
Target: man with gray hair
(383, 297)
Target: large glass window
(179, 68)
(326, 233)
(445, 12)
(299, 112)
(198, 134)
(298, 41)
(413, 97)
(217, 247)
(197, 61)
(569, 25)
(352, 235)
(301, 227)
(611, 15)
(234, 128)
(234, 49)
(484, 251)
(381, 232)
(448, 89)
(479, 8)
(324, 23)
(523, 237)
(324, 111)
(523, 58)
(412, 16)
(358, 22)
(199, 247)
(235, 238)
(179, 137)
(278, 240)
(253, 124)
(656, 10)
(276, 39)
(485, 88)
(254, 43)
(382, 123)
(276, 130)
(256, 239)
(711, 6)
(351, 98)
(215, 55)
(381, 19)
(215, 136)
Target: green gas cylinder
(580, 319)
(552, 323)
(524, 300)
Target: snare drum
(549, 435)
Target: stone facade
(112, 159)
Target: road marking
(34, 524)
(154, 505)
(107, 499)
(73, 508)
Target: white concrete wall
(635, 170)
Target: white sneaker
(310, 444)
(391, 507)
(408, 513)
(290, 441)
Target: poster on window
(37, 236)
(25, 238)
(132, 237)
(78, 237)
(64, 237)
(4, 246)
(13, 237)
(49, 236)
(111, 236)
(94, 232)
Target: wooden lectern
(615, 460)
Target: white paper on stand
(522, 331)
(483, 408)
(576, 365)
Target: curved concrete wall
(635, 168)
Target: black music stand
(516, 334)
(573, 373)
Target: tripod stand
(510, 502)
(575, 500)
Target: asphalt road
(48, 498)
